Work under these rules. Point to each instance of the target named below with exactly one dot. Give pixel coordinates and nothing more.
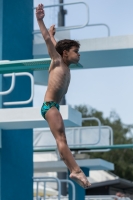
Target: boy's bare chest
(60, 74)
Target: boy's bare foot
(80, 178)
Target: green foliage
(122, 158)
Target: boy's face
(73, 55)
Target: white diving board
(28, 65)
(59, 166)
(30, 117)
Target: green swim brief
(47, 105)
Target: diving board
(59, 165)
(87, 147)
(29, 65)
(30, 117)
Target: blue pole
(16, 155)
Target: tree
(122, 158)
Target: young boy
(62, 55)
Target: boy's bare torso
(58, 82)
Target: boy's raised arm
(51, 48)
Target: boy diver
(62, 54)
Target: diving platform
(30, 117)
(114, 51)
(59, 166)
(103, 52)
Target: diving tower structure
(26, 118)
(17, 121)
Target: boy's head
(66, 45)
(69, 49)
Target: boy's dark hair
(66, 45)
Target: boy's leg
(56, 125)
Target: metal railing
(69, 27)
(43, 180)
(102, 150)
(54, 147)
(13, 75)
(86, 24)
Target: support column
(80, 192)
(16, 155)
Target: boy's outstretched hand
(40, 12)
(52, 30)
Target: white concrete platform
(59, 166)
(114, 51)
(26, 118)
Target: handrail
(102, 150)
(12, 87)
(69, 27)
(12, 84)
(54, 179)
(47, 179)
(101, 24)
(53, 147)
(81, 144)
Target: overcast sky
(103, 89)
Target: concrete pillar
(16, 155)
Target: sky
(105, 89)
